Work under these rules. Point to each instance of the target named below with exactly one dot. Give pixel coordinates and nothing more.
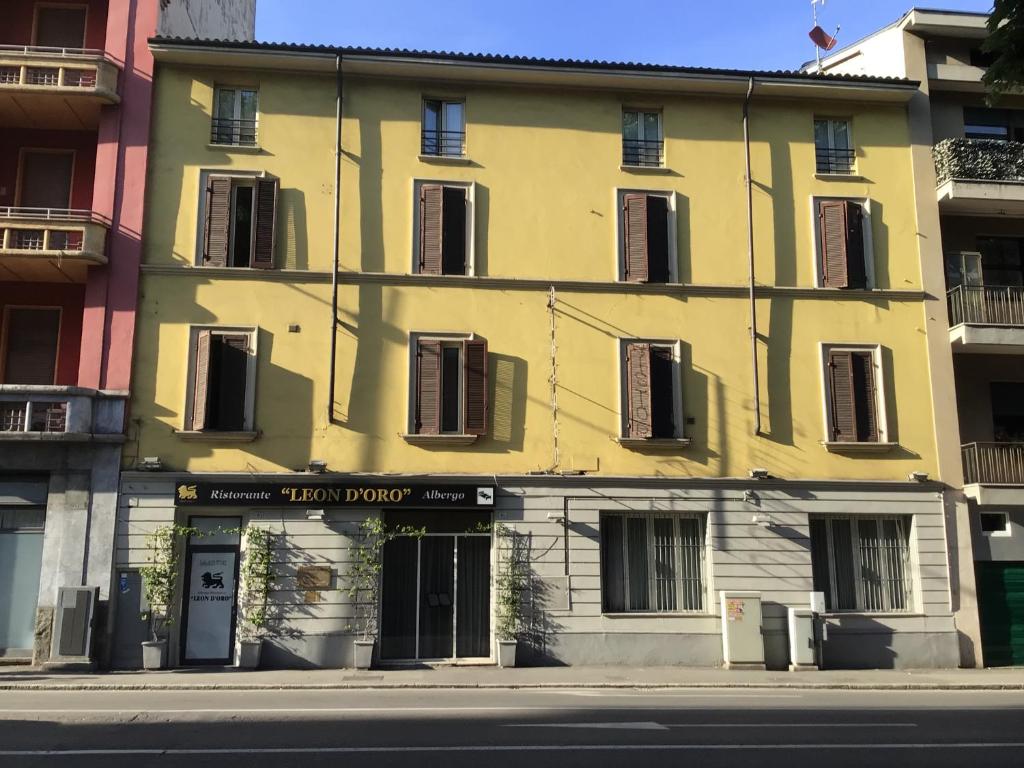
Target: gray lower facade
(621, 570)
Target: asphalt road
(497, 728)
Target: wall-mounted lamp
(556, 517)
(314, 514)
(751, 498)
(918, 477)
(759, 473)
(150, 464)
(317, 466)
(764, 519)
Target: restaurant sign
(299, 494)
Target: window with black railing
(834, 161)
(234, 132)
(833, 147)
(234, 117)
(444, 128)
(443, 143)
(642, 142)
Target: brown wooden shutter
(865, 398)
(431, 220)
(841, 397)
(218, 221)
(201, 383)
(474, 401)
(638, 390)
(428, 388)
(634, 219)
(841, 225)
(266, 219)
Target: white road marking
(648, 726)
(791, 725)
(494, 748)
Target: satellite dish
(822, 39)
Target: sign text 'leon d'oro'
(347, 495)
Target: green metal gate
(1001, 604)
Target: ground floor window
(652, 562)
(862, 563)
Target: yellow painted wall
(546, 164)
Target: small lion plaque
(313, 577)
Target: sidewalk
(609, 677)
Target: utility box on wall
(742, 630)
(73, 623)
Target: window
(1007, 411)
(642, 143)
(647, 236)
(450, 394)
(239, 216)
(234, 116)
(652, 391)
(843, 243)
(652, 563)
(60, 26)
(861, 563)
(853, 403)
(444, 128)
(1002, 261)
(31, 339)
(443, 239)
(222, 383)
(994, 124)
(833, 148)
(994, 523)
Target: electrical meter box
(803, 646)
(742, 630)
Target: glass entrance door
(436, 597)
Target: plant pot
(249, 653)
(507, 653)
(154, 654)
(363, 654)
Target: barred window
(862, 563)
(652, 563)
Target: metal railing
(33, 416)
(443, 143)
(48, 214)
(49, 77)
(643, 153)
(978, 160)
(834, 161)
(986, 305)
(996, 463)
(42, 50)
(231, 132)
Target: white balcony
(980, 177)
(986, 319)
(994, 473)
(50, 244)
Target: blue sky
(743, 34)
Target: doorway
(31, 337)
(209, 606)
(45, 180)
(21, 558)
(436, 590)
(60, 26)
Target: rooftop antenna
(822, 40)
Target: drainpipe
(750, 257)
(337, 240)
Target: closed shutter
(844, 409)
(201, 385)
(266, 218)
(841, 224)
(218, 221)
(475, 382)
(431, 220)
(638, 389)
(635, 237)
(863, 369)
(428, 388)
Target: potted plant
(160, 578)
(253, 590)
(363, 581)
(510, 583)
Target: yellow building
(524, 316)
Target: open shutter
(844, 407)
(428, 388)
(266, 218)
(431, 219)
(201, 385)
(856, 267)
(638, 390)
(474, 401)
(635, 237)
(865, 397)
(218, 221)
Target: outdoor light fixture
(150, 464)
(764, 519)
(751, 498)
(920, 477)
(314, 514)
(317, 466)
(759, 473)
(556, 517)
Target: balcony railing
(643, 153)
(68, 70)
(443, 143)
(33, 416)
(230, 132)
(986, 305)
(995, 463)
(834, 161)
(978, 160)
(63, 413)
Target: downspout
(337, 240)
(750, 257)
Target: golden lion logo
(187, 493)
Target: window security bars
(233, 132)
(834, 160)
(643, 153)
(438, 143)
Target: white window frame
(831, 120)
(470, 187)
(446, 338)
(248, 178)
(866, 224)
(236, 112)
(250, 372)
(1000, 534)
(443, 124)
(824, 348)
(673, 230)
(641, 136)
(677, 385)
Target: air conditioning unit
(73, 622)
